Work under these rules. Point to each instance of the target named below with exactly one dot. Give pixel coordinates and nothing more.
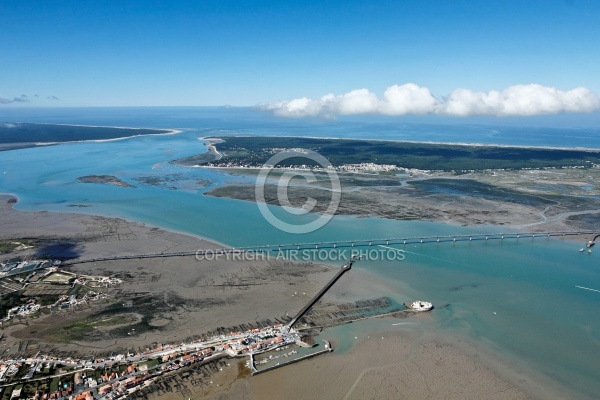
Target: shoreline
(80, 212)
(27, 145)
(492, 358)
(466, 144)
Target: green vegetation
(26, 135)
(9, 301)
(151, 363)
(474, 188)
(121, 319)
(54, 384)
(8, 246)
(105, 180)
(255, 151)
(86, 328)
(46, 300)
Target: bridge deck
(342, 244)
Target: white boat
(589, 251)
(581, 250)
(419, 305)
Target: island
(534, 188)
(104, 179)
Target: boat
(581, 250)
(589, 251)
(419, 305)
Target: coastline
(353, 286)
(466, 144)
(25, 145)
(360, 287)
(63, 223)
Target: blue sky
(129, 53)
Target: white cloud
(408, 99)
(359, 101)
(517, 100)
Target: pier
(345, 268)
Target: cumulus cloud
(517, 100)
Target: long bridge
(471, 237)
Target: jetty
(345, 268)
(289, 327)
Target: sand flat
(208, 294)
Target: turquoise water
(517, 296)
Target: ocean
(518, 297)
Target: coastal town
(349, 168)
(132, 373)
(120, 375)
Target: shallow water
(517, 296)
